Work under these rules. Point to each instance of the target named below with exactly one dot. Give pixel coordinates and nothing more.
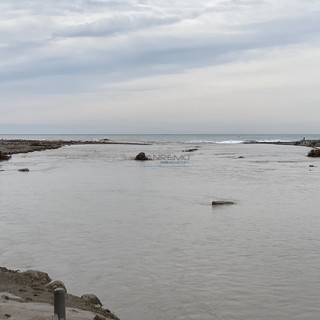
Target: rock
(312, 166)
(141, 157)
(219, 203)
(4, 156)
(92, 299)
(241, 157)
(99, 317)
(36, 276)
(56, 284)
(314, 153)
(24, 170)
(190, 150)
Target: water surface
(145, 238)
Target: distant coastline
(14, 146)
(303, 142)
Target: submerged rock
(220, 203)
(190, 150)
(141, 157)
(314, 153)
(24, 170)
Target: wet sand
(26, 295)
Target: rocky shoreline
(302, 143)
(29, 295)
(314, 144)
(14, 146)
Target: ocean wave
(231, 142)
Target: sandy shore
(28, 296)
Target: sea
(145, 238)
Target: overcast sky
(160, 66)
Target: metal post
(59, 304)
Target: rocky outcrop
(14, 146)
(314, 153)
(141, 157)
(92, 299)
(35, 276)
(24, 170)
(222, 202)
(309, 143)
(33, 286)
(4, 156)
(312, 143)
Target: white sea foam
(230, 142)
(215, 141)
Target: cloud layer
(116, 60)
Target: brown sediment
(32, 287)
(14, 146)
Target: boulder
(36, 277)
(221, 202)
(141, 157)
(99, 317)
(314, 153)
(4, 156)
(92, 299)
(24, 170)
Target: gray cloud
(116, 24)
(146, 54)
(83, 46)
